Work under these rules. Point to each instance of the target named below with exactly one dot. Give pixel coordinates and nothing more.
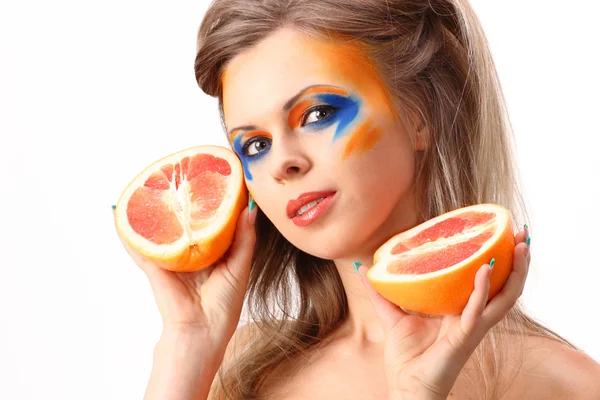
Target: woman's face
(324, 155)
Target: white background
(93, 92)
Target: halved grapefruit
(181, 211)
(430, 269)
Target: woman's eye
(256, 145)
(318, 113)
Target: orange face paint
(364, 96)
(351, 64)
(355, 69)
(362, 139)
(297, 112)
(325, 89)
(250, 135)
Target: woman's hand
(206, 302)
(424, 356)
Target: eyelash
(252, 141)
(320, 107)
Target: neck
(363, 324)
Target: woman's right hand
(206, 302)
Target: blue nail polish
(528, 241)
(492, 263)
(251, 203)
(356, 264)
(113, 207)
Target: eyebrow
(320, 88)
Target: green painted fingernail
(356, 264)
(528, 241)
(113, 207)
(492, 263)
(251, 204)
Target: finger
(477, 302)
(242, 248)
(512, 289)
(389, 313)
(521, 236)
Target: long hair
(434, 58)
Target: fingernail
(113, 207)
(251, 203)
(251, 211)
(356, 264)
(526, 229)
(492, 263)
(528, 241)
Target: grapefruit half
(181, 211)
(430, 269)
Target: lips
(294, 205)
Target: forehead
(260, 80)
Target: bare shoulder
(553, 370)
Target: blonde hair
(434, 58)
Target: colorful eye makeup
(330, 105)
(313, 109)
(255, 146)
(339, 107)
(326, 106)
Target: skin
(361, 151)
(367, 156)
(380, 351)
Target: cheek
(380, 159)
(366, 132)
(257, 190)
(262, 189)
(363, 138)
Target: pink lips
(313, 213)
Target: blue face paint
(347, 111)
(237, 146)
(247, 159)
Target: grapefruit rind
(447, 290)
(195, 249)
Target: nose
(290, 161)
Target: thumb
(389, 313)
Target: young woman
(354, 120)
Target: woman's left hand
(424, 355)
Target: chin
(329, 246)
(327, 253)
